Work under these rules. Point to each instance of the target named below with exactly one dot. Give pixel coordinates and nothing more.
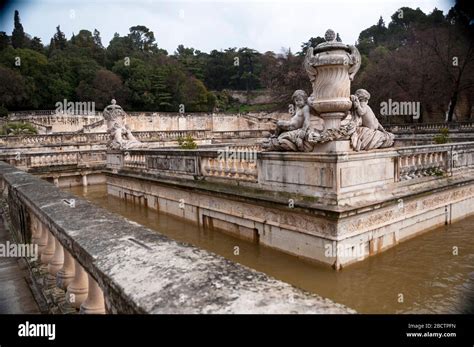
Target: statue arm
(306, 118)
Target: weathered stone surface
(141, 271)
(121, 136)
(305, 203)
(15, 296)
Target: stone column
(41, 237)
(48, 251)
(65, 276)
(56, 262)
(84, 180)
(35, 232)
(94, 303)
(77, 291)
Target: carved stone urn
(331, 66)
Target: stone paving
(15, 294)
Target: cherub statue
(370, 134)
(301, 118)
(291, 135)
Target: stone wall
(146, 121)
(305, 203)
(118, 266)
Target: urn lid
(331, 43)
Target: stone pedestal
(341, 146)
(334, 176)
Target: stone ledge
(142, 271)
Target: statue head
(362, 94)
(113, 102)
(299, 97)
(330, 35)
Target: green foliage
(4, 40)
(396, 63)
(18, 35)
(18, 129)
(187, 142)
(442, 137)
(3, 111)
(59, 40)
(312, 42)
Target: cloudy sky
(206, 25)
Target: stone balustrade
(467, 126)
(101, 262)
(102, 138)
(88, 127)
(231, 162)
(52, 159)
(134, 160)
(433, 160)
(422, 164)
(265, 169)
(33, 160)
(239, 169)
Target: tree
(142, 38)
(4, 40)
(18, 34)
(453, 55)
(12, 88)
(59, 40)
(248, 70)
(194, 96)
(163, 96)
(283, 74)
(312, 42)
(105, 87)
(97, 39)
(371, 37)
(36, 44)
(119, 48)
(192, 60)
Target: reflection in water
(422, 275)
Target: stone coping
(241, 191)
(142, 271)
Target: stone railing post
(56, 262)
(48, 250)
(94, 304)
(78, 289)
(66, 274)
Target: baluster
(77, 291)
(66, 274)
(48, 250)
(94, 304)
(42, 239)
(56, 262)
